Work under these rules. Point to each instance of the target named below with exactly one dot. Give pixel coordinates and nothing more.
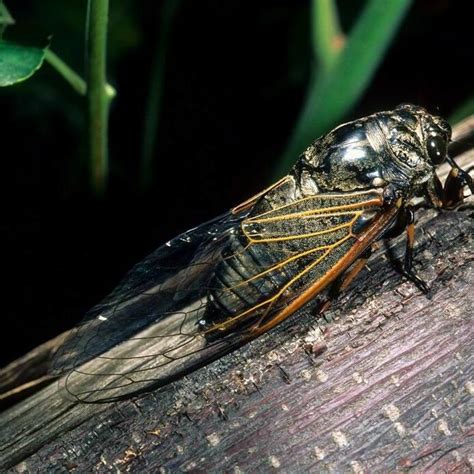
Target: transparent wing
(146, 332)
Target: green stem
(327, 36)
(98, 100)
(155, 93)
(71, 76)
(332, 95)
(76, 81)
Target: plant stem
(71, 76)
(76, 81)
(98, 101)
(155, 93)
(327, 36)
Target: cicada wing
(146, 332)
(215, 287)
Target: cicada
(225, 282)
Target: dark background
(234, 84)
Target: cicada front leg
(453, 192)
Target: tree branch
(382, 383)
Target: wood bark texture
(382, 383)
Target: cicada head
(418, 141)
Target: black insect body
(227, 281)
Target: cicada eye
(437, 149)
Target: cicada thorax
(288, 242)
(386, 148)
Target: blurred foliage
(18, 63)
(343, 68)
(463, 111)
(336, 68)
(155, 92)
(5, 18)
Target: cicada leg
(406, 222)
(453, 192)
(449, 196)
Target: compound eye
(437, 149)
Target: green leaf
(18, 63)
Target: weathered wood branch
(382, 383)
